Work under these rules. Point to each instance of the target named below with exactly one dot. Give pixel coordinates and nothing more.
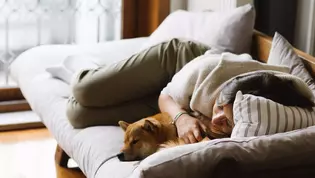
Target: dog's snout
(121, 156)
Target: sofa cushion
(256, 116)
(282, 53)
(229, 31)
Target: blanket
(193, 86)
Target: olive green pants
(128, 90)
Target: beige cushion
(229, 31)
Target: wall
(243, 2)
(199, 5)
(178, 4)
(304, 31)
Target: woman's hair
(265, 85)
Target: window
(28, 23)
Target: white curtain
(28, 23)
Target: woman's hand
(189, 129)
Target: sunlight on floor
(18, 117)
(30, 154)
(29, 159)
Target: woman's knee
(83, 88)
(81, 117)
(74, 114)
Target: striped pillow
(256, 116)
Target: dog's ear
(149, 126)
(123, 125)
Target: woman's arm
(168, 105)
(188, 128)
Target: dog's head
(141, 139)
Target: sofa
(95, 148)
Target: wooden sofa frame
(261, 47)
(260, 50)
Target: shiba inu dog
(149, 135)
(144, 137)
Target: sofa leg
(61, 157)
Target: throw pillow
(227, 31)
(256, 116)
(282, 53)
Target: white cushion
(229, 31)
(257, 116)
(60, 72)
(70, 65)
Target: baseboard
(21, 126)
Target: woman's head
(262, 84)
(266, 85)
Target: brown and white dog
(148, 135)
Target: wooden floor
(30, 154)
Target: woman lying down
(204, 117)
(203, 95)
(148, 135)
